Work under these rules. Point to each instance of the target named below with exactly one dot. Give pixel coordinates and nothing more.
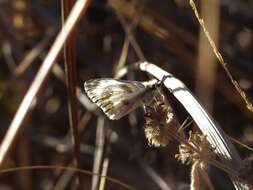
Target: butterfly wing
(115, 97)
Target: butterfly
(118, 98)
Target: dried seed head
(159, 119)
(246, 170)
(157, 136)
(198, 149)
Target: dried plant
(159, 120)
(246, 171)
(198, 152)
(198, 149)
(220, 58)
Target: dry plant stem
(9, 31)
(241, 144)
(40, 78)
(145, 21)
(206, 178)
(206, 67)
(220, 58)
(195, 178)
(7, 54)
(24, 158)
(131, 37)
(217, 138)
(70, 68)
(182, 140)
(104, 173)
(229, 92)
(128, 31)
(159, 27)
(106, 160)
(85, 172)
(64, 179)
(123, 56)
(100, 142)
(67, 175)
(33, 54)
(82, 98)
(156, 178)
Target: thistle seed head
(198, 149)
(159, 119)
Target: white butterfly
(117, 98)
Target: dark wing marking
(115, 97)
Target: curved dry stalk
(215, 135)
(51, 167)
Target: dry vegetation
(54, 137)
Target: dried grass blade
(100, 141)
(70, 68)
(215, 135)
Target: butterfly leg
(165, 77)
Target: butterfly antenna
(165, 77)
(160, 82)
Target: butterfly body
(117, 98)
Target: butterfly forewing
(115, 97)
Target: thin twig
(9, 59)
(82, 98)
(162, 184)
(240, 143)
(24, 158)
(33, 54)
(220, 58)
(41, 77)
(70, 68)
(206, 178)
(145, 21)
(86, 172)
(65, 178)
(131, 37)
(104, 173)
(123, 55)
(67, 175)
(100, 140)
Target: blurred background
(111, 34)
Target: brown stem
(70, 69)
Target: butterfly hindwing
(115, 97)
